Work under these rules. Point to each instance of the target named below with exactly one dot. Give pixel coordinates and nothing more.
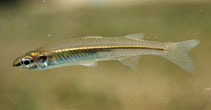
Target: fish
(88, 51)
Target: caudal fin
(178, 54)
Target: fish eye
(26, 61)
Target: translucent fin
(93, 37)
(131, 62)
(178, 54)
(139, 36)
(91, 64)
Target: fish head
(31, 60)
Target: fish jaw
(17, 62)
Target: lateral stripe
(109, 47)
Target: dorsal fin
(139, 36)
(92, 37)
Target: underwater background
(157, 85)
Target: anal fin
(131, 62)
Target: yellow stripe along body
(110, 47)
(80, 55)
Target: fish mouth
(16, 64)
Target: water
(157, 85)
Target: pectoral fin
(91, 64)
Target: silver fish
(87, 51)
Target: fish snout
(16, 63)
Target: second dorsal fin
(139, 36)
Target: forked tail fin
(178, 54)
